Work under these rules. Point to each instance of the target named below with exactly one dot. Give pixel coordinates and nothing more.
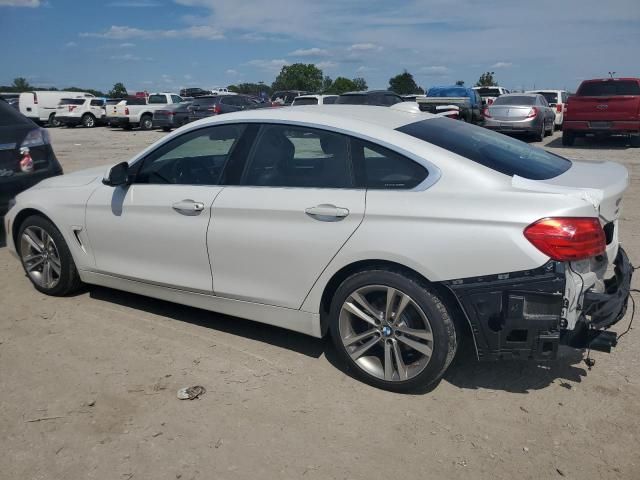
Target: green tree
(326, 84)
(299, 76)
(360, 84)
(21, 84)
(95, 93)
(486, 80)
(341, 85)
(404, 84)
(250, 88)
(460, 83)
(118, 91)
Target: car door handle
(188, 207)
(327, 212)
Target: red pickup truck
(608, 106)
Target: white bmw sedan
(395, 232)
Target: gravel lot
(89, 387)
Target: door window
(288, 156)
(194, 158)
(380, 168)
(97, 103)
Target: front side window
(176, 99)
(379, 168)
(493, 150)
(291, 156)
(194, 158)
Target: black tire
(634, 140)
(69, 280)
(88, 120)
(53, 121)
(166, 129)
(539, 137)
(568, 138)
(443, 328)
(146, 122)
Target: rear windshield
(158, 99)
(329, 100)
(353, 99)
(515, 100)
(448, 92)
(493, 150)
(550, 96)
(609, 87)
(488, 92)
(305, 101)
(72, 101)
(136, 101)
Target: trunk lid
(509, 112)
(600, 183)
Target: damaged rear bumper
(519, 315)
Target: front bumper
(519, 315)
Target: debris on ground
(189, 393)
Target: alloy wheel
(386, 333)
(40, 257)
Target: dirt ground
(88, 387)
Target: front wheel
(146, 122)
(46, 258)
(392, 330)
(53, 121)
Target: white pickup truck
(129, 116)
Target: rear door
(292, 207)
(606, 100)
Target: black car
(194, 92)
(383, 98)
(172, 116)
(26, 156)
(203, 107)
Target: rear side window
(157, 99)
(194, 158)
(306, 101)
(288, 156)
(329, 100)
(97, 103)
(493, 150)
(72, 101)
(609, 88)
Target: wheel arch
(19, 220)
(446, 295)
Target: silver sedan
(520, 113)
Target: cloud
(129, 57)
(118, 32)
(327, 65)
(135, 4)
(231, 72)
(364, 47)
(126, 45)
(187, 76)
(435, 71)
(20, 3)
(309, 52)
(501, 65)
(272, 66)
(70, 44)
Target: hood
(602, 184)
(75, 179)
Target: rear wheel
(146, 122)
(392, 330)
(568, 138)
(88, 120)
(46, 258)
(541, 133)
(53, 121)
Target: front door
(295, 206)
(154, 230)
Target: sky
(165, 45)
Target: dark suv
(203, 107)
(26, 156)
(194, 92)
(383, 98)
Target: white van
(40, 106)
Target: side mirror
(117, 175)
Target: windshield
(609, 88)
(448, 92)
(488, 92)
(72, 101)
(515, 100)
(305, 101)
(493, 150)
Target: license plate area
(601, 125)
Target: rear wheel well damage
(445, 294)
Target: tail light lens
(566, 239)
(559, 107)
(216, 109)
(126, 110)
(36, 138)
(486, 113)
(489, 101)
(35, 98)
(533, 112)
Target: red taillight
(559, 107)
(486, 113)
(489, 101)
(533, 112)
(216, 109)
(567, 238)
(35, 98)
(126, 110)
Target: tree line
(298, 76)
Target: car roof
(525, 94)
(370, 92)
(546, 90)
(351, 117)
